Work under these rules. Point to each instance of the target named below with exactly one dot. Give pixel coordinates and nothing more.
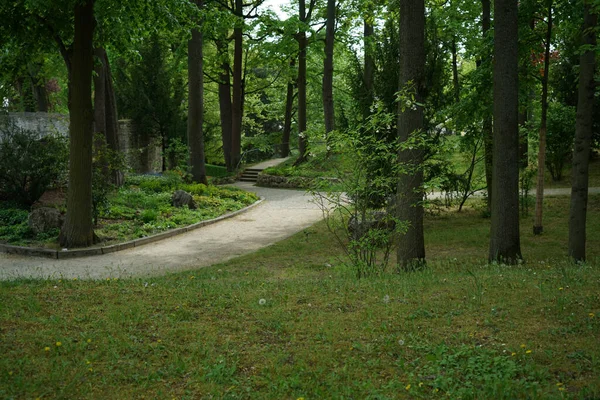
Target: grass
(291, 321)
(139, 208)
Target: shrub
(30, 164)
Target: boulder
(181, 198)
(44, 219)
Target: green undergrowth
(141, 207)
(291, 321)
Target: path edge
(97, 251)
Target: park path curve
(280, 215)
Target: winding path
(283, 213)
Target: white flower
(262, 302)
(386, 299)
(401, 342)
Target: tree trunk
(583, 139)
(196, 105)
(328, 107)
(302, 43)
(369, 67)
(538, 226)
(505, 245)
(105, 107)
(225, 103)
(409, 202)
(455, 82)
(237, 104)
(38, 87)
(77, 231)
(488, 139)
(287, 125)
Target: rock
(44, 219)
(181, 198)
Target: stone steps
(250, 175)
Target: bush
(30, 164)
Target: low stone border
(276, 181)
(96, 251)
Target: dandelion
(513, 354)
(559, 384)
(591, 315)
(192, 277)
(386, 299)
(262, 302)
(46, 348)
(528, 352)
(58, 344)
(561, 388)
(436, 390)
(407, 387)
(300, 398)
(420, 384)
(89, 340)
(88, 362)
(522, 346)
(561, 288)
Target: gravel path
(283, 213)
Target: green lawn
(291, 321)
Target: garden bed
(139, 209)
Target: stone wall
(43, 123)
(141, 157)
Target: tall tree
(488, 138)
(304, 17)
(328, 107)
(505, 245)
(105, 107)
(583, 137)
(409, 199)
(237, 110)
(289, 104)
(195, 118)
(225, 101)
(538, 227)
(77, 231)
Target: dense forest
(513, 84)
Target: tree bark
(238, 96)
(505, 245)
(488, 139)
(287, 125)
(195, 119)
(77, 231)
(538, 226)
(225, 103)
(409, 201)
(328, 106)
(302, 43)
(583, 139)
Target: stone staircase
(250, 174)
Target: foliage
(30, 164)
(361, 214)
(559, 137)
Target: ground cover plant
(141, 207)
(292, 321)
